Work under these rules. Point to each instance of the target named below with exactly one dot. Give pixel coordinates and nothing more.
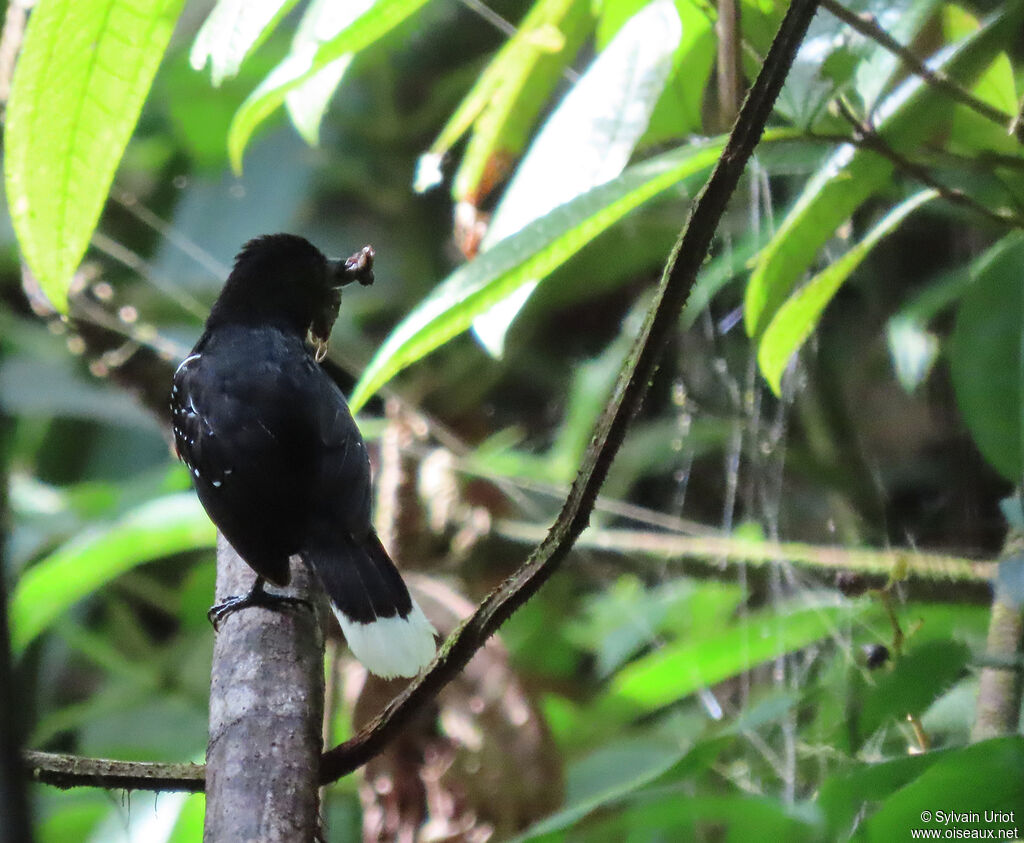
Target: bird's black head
(285, 280)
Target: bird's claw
(256, 597)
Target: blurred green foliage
(688, 699)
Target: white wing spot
(185, 362)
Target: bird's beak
(358, 267)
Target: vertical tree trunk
(266, 713)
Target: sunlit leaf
(679, 669)
(797, 318)
(900, 20)
(503, 104)
(307, 103)
(233, 30)
(530, 254)
(297, 68)
(851, 176)
(586, 141)
(84, 71)
(156, 529)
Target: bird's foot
(256, 597)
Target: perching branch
(678, 279)
(266, 714)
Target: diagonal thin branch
(867, 27)
(867, 138)
(677, 282)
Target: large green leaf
(906, 118)
(298, 67)
(915, 682)
(587, 141)
(608, 775)
(794, 321)
(986, 357)
(980, 778)
(159, 528)
(530, 254)
(679, 669)
(233, 30)
(84, 71)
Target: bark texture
(266, 711)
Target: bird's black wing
(245, 423)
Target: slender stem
(867, 27)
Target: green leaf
(845, 794)
(79, 85)
(503, 104)
(850, 176)
(685, 666)
(587, 140)
(986, 358)
(156, 529)
(798, 317)
(902, 22)
(915, 682)
(607, 775)
(297, 68)
(233, 30)
(524, 257)
(979, 778)
(307, 103)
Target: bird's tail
(385, 628)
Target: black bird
(275, 456)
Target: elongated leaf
(307, 103)
(678, 670)
(612, 772)
(156, 529)
(587, 141)
(503, 104)
(532, 253)
(986, 358)
(232, 31)
(797, 318)
(297, 68)
(981, 778)
(83, 74)
(851, 176)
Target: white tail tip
(390, 647)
